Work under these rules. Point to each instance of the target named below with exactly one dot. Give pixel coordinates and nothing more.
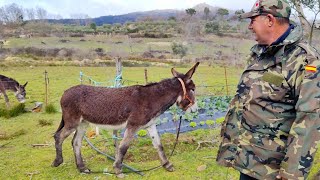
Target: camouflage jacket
(273, 123)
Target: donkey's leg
(59, 137)
(76, 144)
(123, 147)
(6, 99)
(153, 133)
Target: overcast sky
(96, 8)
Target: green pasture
(210, 80)
(210, 45)
(21, 158)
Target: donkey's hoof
(85, 170)
(169, 167)
(56, 163)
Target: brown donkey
(132, 107)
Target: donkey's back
(100, 105)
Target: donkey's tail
(60, 126)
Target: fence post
(118, 72)
(226, 78)
(117, 84)
(81, 77)
(146, 75)
(46, 80)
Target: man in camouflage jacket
(272, 127)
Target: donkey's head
(21, 92)
(186, 100)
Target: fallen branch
(213, 142)
(39, 145)
(32, 173)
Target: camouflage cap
(278, 8)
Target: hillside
(135, 16)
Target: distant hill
(130, 17)
(135, 16)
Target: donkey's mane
(162, 86)
(7, 79)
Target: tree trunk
(303, 20)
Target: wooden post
(146, 75)
(117, 84)
(46, 79)
(81, 77)
(226, 78)
(118, 72)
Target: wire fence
(203, 87)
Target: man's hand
(282, 178)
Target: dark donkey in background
(9, 84)
(132, 107)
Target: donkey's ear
(25, 84)
(191, 71)
(175, 73)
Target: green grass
(136, 46)
(13, 112)
(50, 109)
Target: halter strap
(185, 95)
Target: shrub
(179, 49)
(50, 109)
(15, 111)
(43, 122)
(212, 27)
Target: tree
(41, 13)
(93, 26)
(313, 6)
(172, 18)
(191, 12)
(30, 14)
(223, 12)
(238, 12)
(206, 12)
(11, 13)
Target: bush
(43, 122)
(212, 27)
(14, 112)
(50, 109)
(179, 49)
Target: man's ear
(271, 20)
